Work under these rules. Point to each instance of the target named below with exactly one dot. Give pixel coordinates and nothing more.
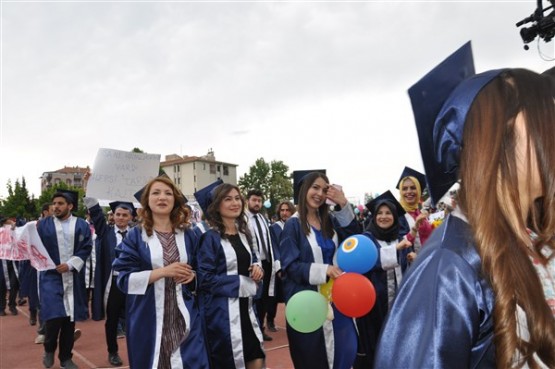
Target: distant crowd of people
(477, 290)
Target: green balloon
(306, 311)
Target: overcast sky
(314, 84)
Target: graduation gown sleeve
(442, 315)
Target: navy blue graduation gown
(64, 295)
(442, 316)
(138, 255)
(334, 345)
(106, 242)
(220, 287)
(369, 325)
(28, 283)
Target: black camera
(543, 26)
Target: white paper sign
(437, 215)
(118, 175)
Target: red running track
(18, 350)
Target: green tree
(271, 178)
(46, 197)
(18, 203)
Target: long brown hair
(489, 196)
(215, 218)
(323, 210)
(179, 215)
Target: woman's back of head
(498, 200)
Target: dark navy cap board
(440, 102)
(421, 177)
(70, 196)
(298, 177)
(205, 195)
(124, 205)
(373, 204)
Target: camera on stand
(543, 26)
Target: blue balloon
(357, 254)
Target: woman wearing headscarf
(411, 185)
(383, 230)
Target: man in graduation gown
(284, 210)
(265, 304)
(68, 242)
(107, 294)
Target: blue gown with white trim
(384, 276)
(58, 291)
(221, 289)
(442, 316)
(138, 255)
(304, 268)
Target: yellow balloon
(325, 289)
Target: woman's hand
(411, 256)
(335, 194)
(419, 219)
(333, 271)
(404, 244)
(257, 273)
(180, 272)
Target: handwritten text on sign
(118, 175)
(24, 243)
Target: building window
(178, 180)
(195, 179)
(194, 165)
(226, 170)
(212, 168)
(203, 166)
(219, 169)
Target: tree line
(271, 178)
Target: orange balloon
(353, 294)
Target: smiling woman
(229, 278)
(156, 269)
(386, 275)
(308, 244)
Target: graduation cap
(409, 172)
(205, 195)
(139, 194)
(72, 197)
(298, 177)
(440, 102)
(124, 205)
(387, 196)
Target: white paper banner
(25, 244)
(118, 175)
